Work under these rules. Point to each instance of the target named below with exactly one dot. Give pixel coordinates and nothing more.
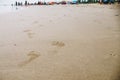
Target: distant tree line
(65, 2)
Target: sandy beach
(61, 42)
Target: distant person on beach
(111, 2)
(118, 1)
(26, 3)
(21, 3)
(16, 3)
(100, 1)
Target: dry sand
(61, 42)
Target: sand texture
(61, 42)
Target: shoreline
(7, 9)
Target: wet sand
(61, 42)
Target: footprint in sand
(32, 56)
(14, 44)
(64, 15)
(58, 44)
(116, 15)
(50, 21)
(29, 33)
(27, 30)
(35, 22)
(112, 54)
(41, 25)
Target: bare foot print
(64, 15)
(116, 15)
(32, 56)
(27, 30)
(58, 44)
(29, 33)
(41, 25)
(15, 45)
(35, 22)
(112, 54)
(50, 20)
